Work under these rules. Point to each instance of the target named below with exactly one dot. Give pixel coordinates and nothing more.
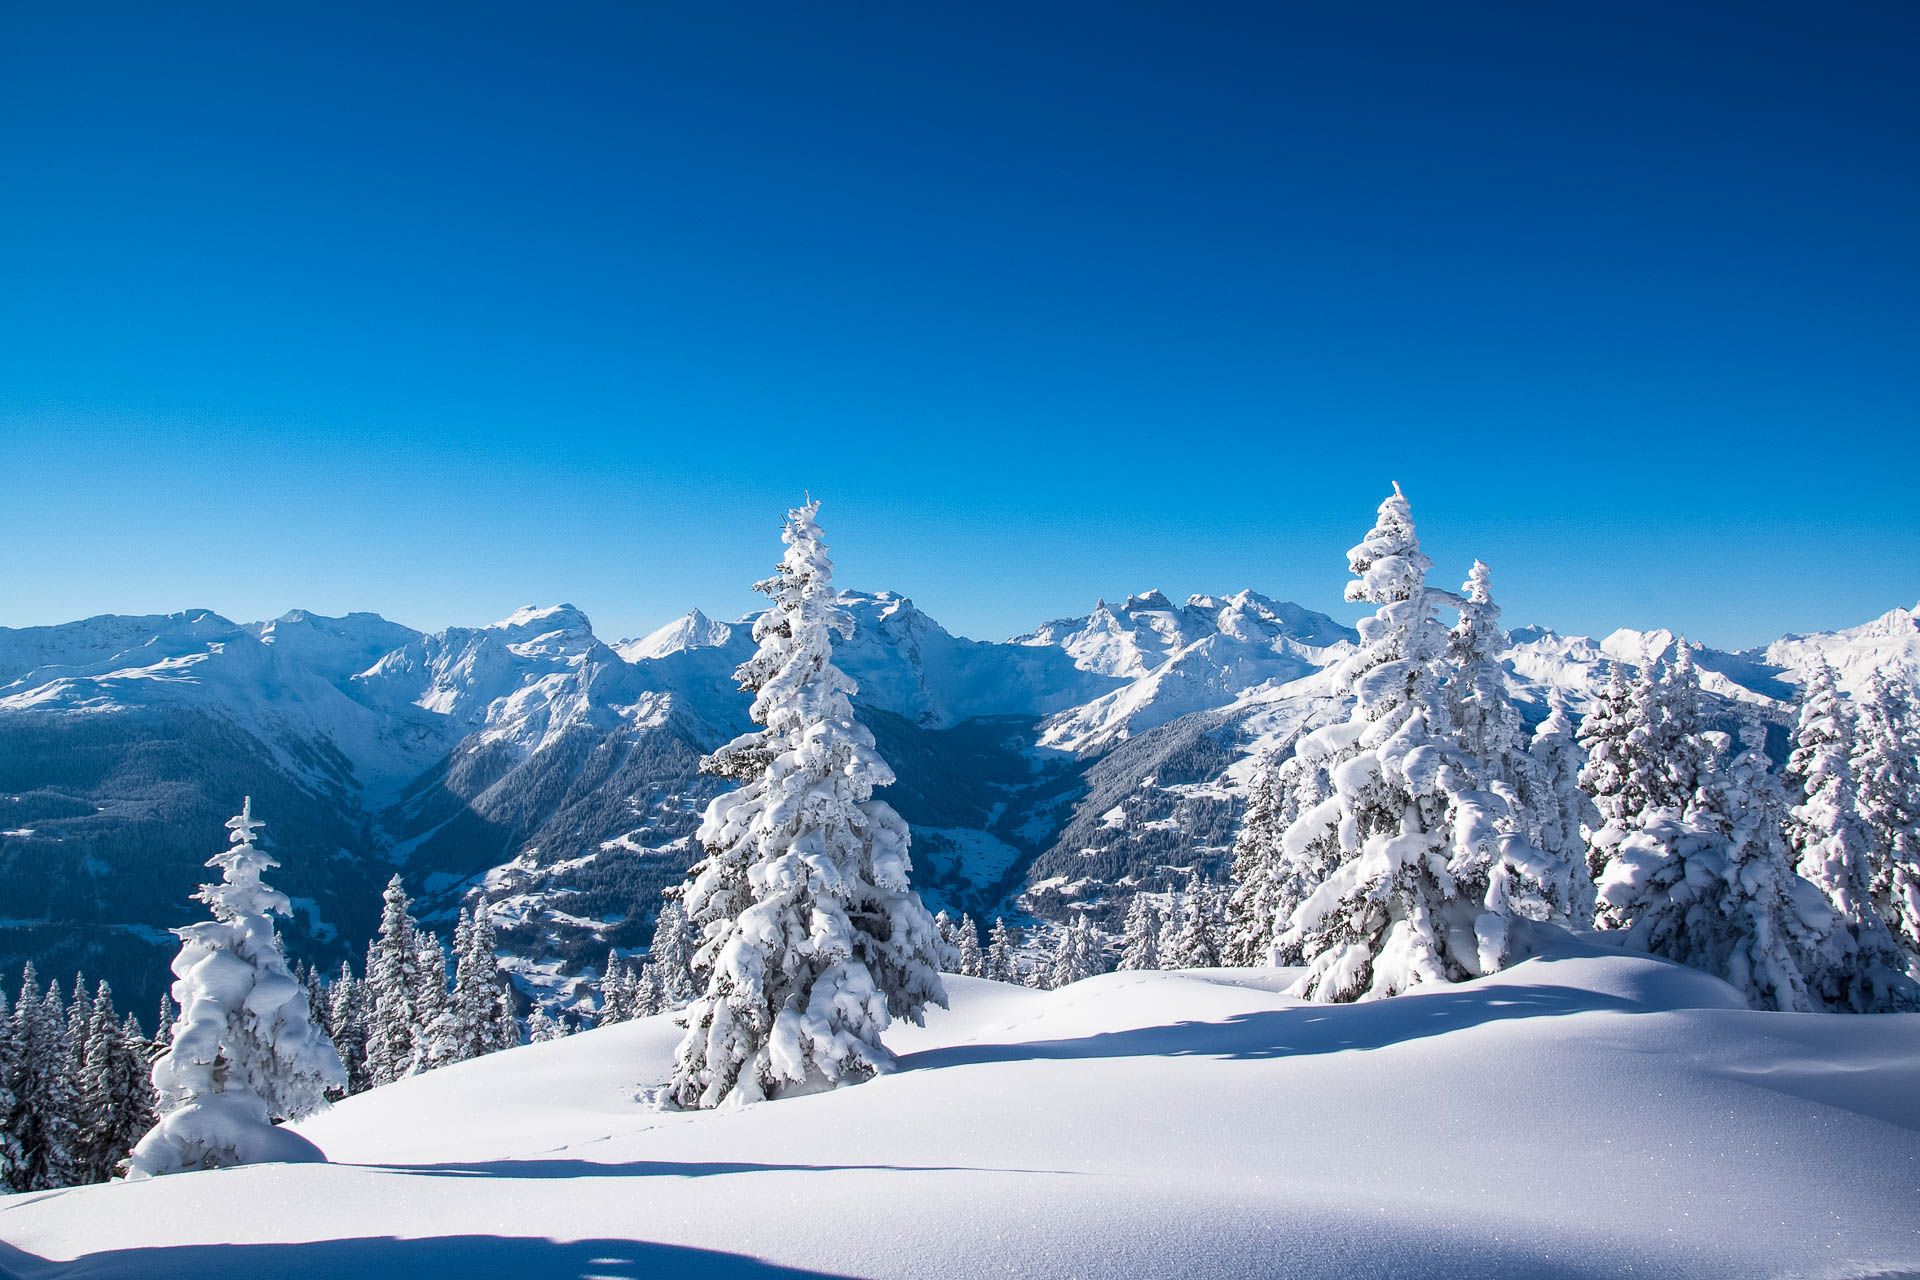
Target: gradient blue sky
(442, 311)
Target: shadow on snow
(1297, 1032)
(387, 1258)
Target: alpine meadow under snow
(783, 947)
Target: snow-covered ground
(1585, 1114)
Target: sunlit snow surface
(1584, 1115)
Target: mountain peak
(542, 619)
(691, 630)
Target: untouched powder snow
(1583, 1114)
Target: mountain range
(556, 776)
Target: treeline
(75, 1093)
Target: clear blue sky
(441, 312)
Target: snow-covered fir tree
(543, 1026)
(1562, 813)
(812, 937)
(476, 988)
(45, 1124)
(10, 1150)
(506, 1024)
(1712, 886)
(972, 958)
(1613, 775)
(1886, 768)
(1252, 907)
(1430, 873)
(949, 935)
(434, 1035)
(1484, 720)
(1195, 942)
(116, 1091)
(347, 1020)
(1140, 938)
(1832, 848)
(1077, 954)
(245, 1052)
(645, 996)
(393, 982)
(1299, 858)
(671, 953)
(1003, 944)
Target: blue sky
(333, 309)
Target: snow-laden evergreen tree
(347, 1016)
(645, 997)
(116, 1092)
(811, 934)
(1253, 907)
(506, 1025)
(1484, 720)
(1712, 886)
(476, 987)
(1140, 938)
(46, 1114)
(543, 1026)
(672, 951)
(10, 1150)
(1886, 767)
(434, 1036)
(949, 936)
(1002, 946)
(393, 982)
(1430, 873)
(1077, 954)
(1195, 944)
(245, 1052)
(1613, 777)
(1562, 813)
(972, 959)
(617, 988)
(1833, 847)
(163, 1024)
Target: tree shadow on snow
(1297, 1032)
(656, 1169)
(387, 1258)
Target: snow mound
(1586, 1113)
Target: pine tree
(1712, 886)
(646, 996)
(392, 981)
(1253, 907)
(543, 1026)
(476, 988)
(1562, 813)
(347, 1015)
(116, 1092)
(972, 960)
(11, 1152)
(1002, 947)
(245, 1052)
(1886, 766)
(46, 1104)
(671, 953)
(1077, 954)
(1833, 849)
(163, 1024)
(1196, 944)
(948, 934)
(1140, 943)
(506, 1025)
(812, 936)
(435, 1039)
(1485, 723)
(1430, 875)
(1611, 776)
(617, 988)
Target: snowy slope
(1587, 1115)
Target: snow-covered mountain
(531, 762)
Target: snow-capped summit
(1200, 656)
(691, 630)
(1891, 641)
